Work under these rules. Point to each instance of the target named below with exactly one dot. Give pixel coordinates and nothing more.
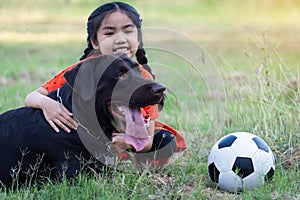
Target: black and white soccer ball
(240, 160)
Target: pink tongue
(136, 133)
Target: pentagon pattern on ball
(261, 144)
(227, 141)
(243, 167)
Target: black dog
(97, 92)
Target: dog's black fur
(28, 145)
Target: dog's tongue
(136, 133)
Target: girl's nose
(120, 38)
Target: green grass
(249, 82)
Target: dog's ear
(81, 80)
(84, 83)
(84, 78)
(70, 75)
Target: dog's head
(114, 87)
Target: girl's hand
(119, 144)
(57, 114)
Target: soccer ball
(240, 160)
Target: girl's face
(117, 34)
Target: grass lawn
(229, 66)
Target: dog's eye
(122, 75)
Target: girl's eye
(128, 31)
(109, 33)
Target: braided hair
(98, 15)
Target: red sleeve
(58, 80)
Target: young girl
(111, 28)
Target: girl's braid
(87, 51)
(142, 59)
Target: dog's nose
(158, 88)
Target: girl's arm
(55, 113)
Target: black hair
(98, 15)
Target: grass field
(229, 66)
